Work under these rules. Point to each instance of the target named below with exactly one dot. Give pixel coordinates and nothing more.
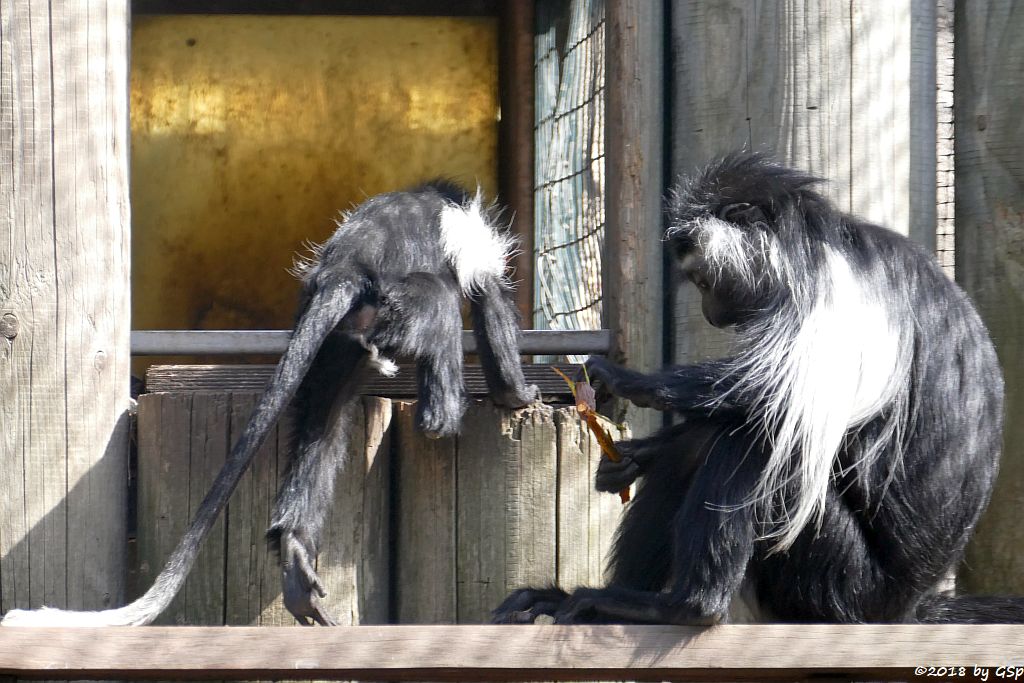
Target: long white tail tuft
(129, 615)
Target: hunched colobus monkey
(835, 466)
(390, 280)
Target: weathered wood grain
(375, 544)
(209, 441)
(424, 566)
(403, 385)
(531, 521)
(844, 90)
(64, 268)
(510, 502)
(990, 262)
(197, 342)
(518, 653)
(163, 485)
(506, 517)
(184, 438)
(586, 519)
(252, 577)
(353, 562)
(634, 288)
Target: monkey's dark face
(725, 300)
(735, 229)
(728, 264)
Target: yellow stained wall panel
(250, 133)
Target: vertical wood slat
(252, 575)
(374, 579)
(209, 440)
(63, 302)
(354, 548)
(424, 565)
(586, 519)
(845, 90)
(989, 96)
(506, 497)
(634, 151)
(183, 440)
(508, 503)
(511, 503)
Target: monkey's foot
(517, 398)
(524, 605)
(303, 590)
(440, 418)
(613, 605)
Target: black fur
(383, 283)
(894, 521)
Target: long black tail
(971, 609)
(325, 310)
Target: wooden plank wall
(183, 440)
(849, 91)
(509, 502)
(989, 98)
(64, 315)
(840, 89)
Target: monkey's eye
(742, 213)
(699, 282)
(730, 211)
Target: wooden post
(64, 293)
(945, 181)
(844, 90)
(634, 149)
(515, 140)
(989, 96)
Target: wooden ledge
(516, 653)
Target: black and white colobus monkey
(390, 280)
(835, 466)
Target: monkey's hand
(525, 605)
(612, 476)
(635, 387)
(303, 590)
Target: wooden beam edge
(508, 653)
(196, 342)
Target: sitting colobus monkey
(390, 280)
(834, 468)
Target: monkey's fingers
(525, 605)
(302, 587)
(613, 477)
(320, 615)
(601, 373)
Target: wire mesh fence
(569, 166)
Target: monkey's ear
(742, 213)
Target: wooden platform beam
(193, 342)
(518, 653)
